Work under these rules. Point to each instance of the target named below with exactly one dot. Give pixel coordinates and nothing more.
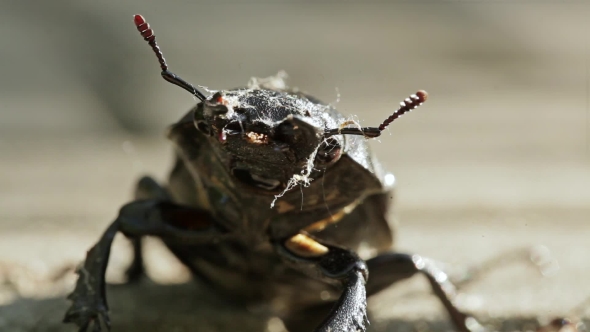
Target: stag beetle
(233, 211)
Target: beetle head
(265, 135)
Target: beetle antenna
(148, 35)
(407, 105)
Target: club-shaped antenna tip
(423, 95)
(138, 20)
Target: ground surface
(498, 159)
(58, 228)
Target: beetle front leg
(387, 269)
(337, 266)
(138, 218)
(350, 312)
(146, 188)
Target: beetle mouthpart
(406, 106)
(148, 35)
(304, 246)
(249, 178)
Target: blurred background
(497, 159)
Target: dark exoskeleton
(273, 195)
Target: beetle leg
(139, 218)
(536, 257)
(389, 268)
(146, 188)
(136, 270)
(350, 312)
(337, 266)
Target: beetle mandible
(239, 151)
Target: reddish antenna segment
(407, 105)
(148, 35)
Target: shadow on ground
(190, 307)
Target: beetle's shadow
(146, 306)
(186, 307)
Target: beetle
(271, 197)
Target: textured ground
(57, 223)
(497, 160)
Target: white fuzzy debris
(233, 101)
(301, 179)
(276, 82)
(210, 91)
(350, 122)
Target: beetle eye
(203, 127)
(329, 152)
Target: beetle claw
(89, 310)
(350, 312)
(84, 316)
(89, 305)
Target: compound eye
(329, 152)
(203, 127)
